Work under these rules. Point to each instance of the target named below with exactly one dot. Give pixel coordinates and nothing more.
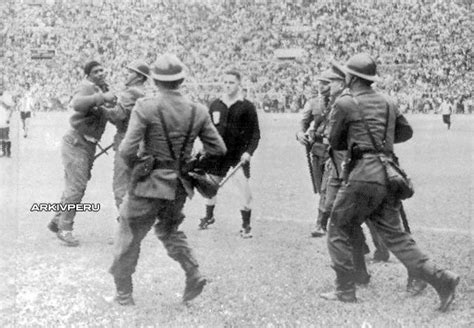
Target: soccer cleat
(194, 287)
(53, 226)
(205, 222)
(245, 232)
(68, 238)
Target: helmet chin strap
(351, 81)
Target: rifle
(310, 167)
(404, 218)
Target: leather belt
(172, 165)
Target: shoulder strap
(186, 138)
(372, 139)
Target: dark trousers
(358, 201)
(137, 216)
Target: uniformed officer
(311, 135)
(138, 72)
(167, 124)
(365, 196)
(332, 179)
(79, 144)
(237, 122)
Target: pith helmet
(168, 68)
(140, 67)
(360, 65)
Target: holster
(142, 169)
(349, 163)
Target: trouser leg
(121, 178)
(402, 245)
(361, 276)
(354, 202)
(381, 251)
(175, 241)
(176, 245)
(78, 160)
(137, 216)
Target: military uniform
(120, 117)
(365, 194)
(161, 196)
(78, 148)
(313, 122)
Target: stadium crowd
(423, 49)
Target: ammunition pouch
(142, 169)
(398, 182)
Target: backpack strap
(186, 138)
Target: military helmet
(168, 68)
(360, 65)
(329, 75)
(140, 67)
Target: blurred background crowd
(423, 48)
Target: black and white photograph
(236, 163)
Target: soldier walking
(167, 125)
(366, 196)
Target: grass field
(272, 280)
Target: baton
(231, 173)
(310, 167)
(103, 150)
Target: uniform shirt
(89, 117)
(145, 125)
(346, 129)
(120, 115)
(446, 108)
(314, 118)
(238, 125)
(28, 103)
